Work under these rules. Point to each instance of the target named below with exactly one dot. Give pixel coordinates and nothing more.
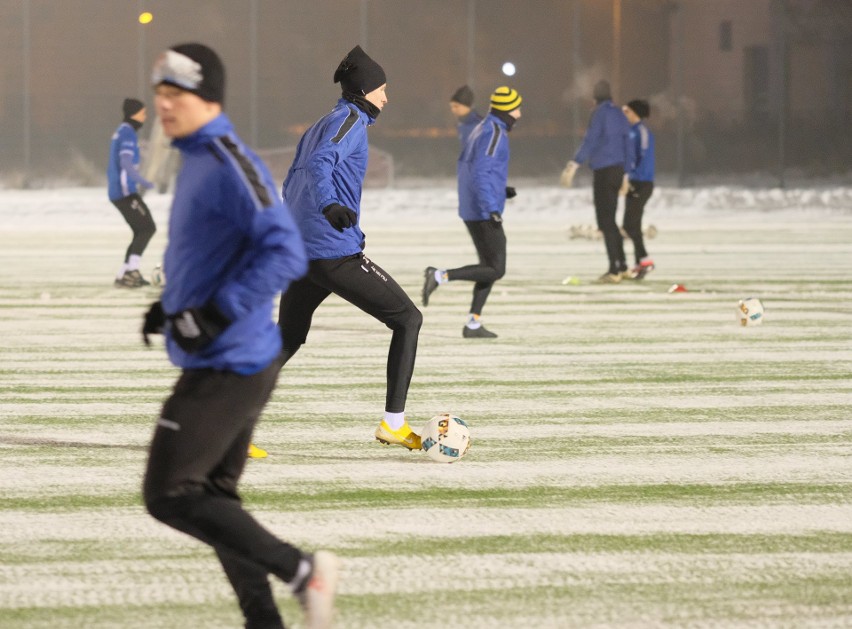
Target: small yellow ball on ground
(145, 17)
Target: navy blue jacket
(329, 167)
(607, 139)
(483, 169)
(232, 242)
(642, 150)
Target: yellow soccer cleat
(257, 453)
(403, 436)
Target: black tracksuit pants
(606, 183)
(364, 284)
(634, 208)
(196, 459)
(490, 242)
(138, 216)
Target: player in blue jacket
(606, 147)
(323, 190)
(123, 182)
(483, 168)
(461, 106)
(232, 246)
(641, 178)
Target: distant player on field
(232, 246)
(483, 169)
(606, 147)
(323, 190)
(641, 180)
(461, 105)
(123, 181)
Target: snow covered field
(638, 459)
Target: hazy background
(737, 87)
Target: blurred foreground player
(232, 246)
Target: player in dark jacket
(641, 178)
(123, 181)
(483, 168)
(232, 246)
(461, 105)
(323, 190)
(606, 147)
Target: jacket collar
(367, 118)
(219, 126)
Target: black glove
(155, 320)
(496, 217)
(340, 216)
(511, 193)
(194, 328)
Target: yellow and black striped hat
(505, 99)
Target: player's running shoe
(429, 284)
(642, 269)
(403, 436)
(316, 596)
(256, 453)
(608, 278)
(477, 333)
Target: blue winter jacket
(642, 151)
(232, 242)
(466, 124)
(123, 168)
(483, 169)
(607, 140)
(329, 167)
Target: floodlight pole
(140, 49)
(253, 74)
(26, 70)
(364, 33)
(678, 93)
(575, 69)
(616, 50)
(780, 22)
(471, 44)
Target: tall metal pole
(781, 65)
(140, 49)
(253, 74)
(26, 69)
(616, 49)
(471, 44)
(575, 72)
(678, 94)
(364, 10)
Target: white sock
(121, 271)
(394, 420)
(134, 262)
(473, 321)
(301, 574)
(441, 276)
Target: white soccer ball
(750, 311)
(445, 438)
(158, 277)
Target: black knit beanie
(640, 108)
(602, 91)
(194, 68)
(463, 96)
(131, 106)
(358, 73)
